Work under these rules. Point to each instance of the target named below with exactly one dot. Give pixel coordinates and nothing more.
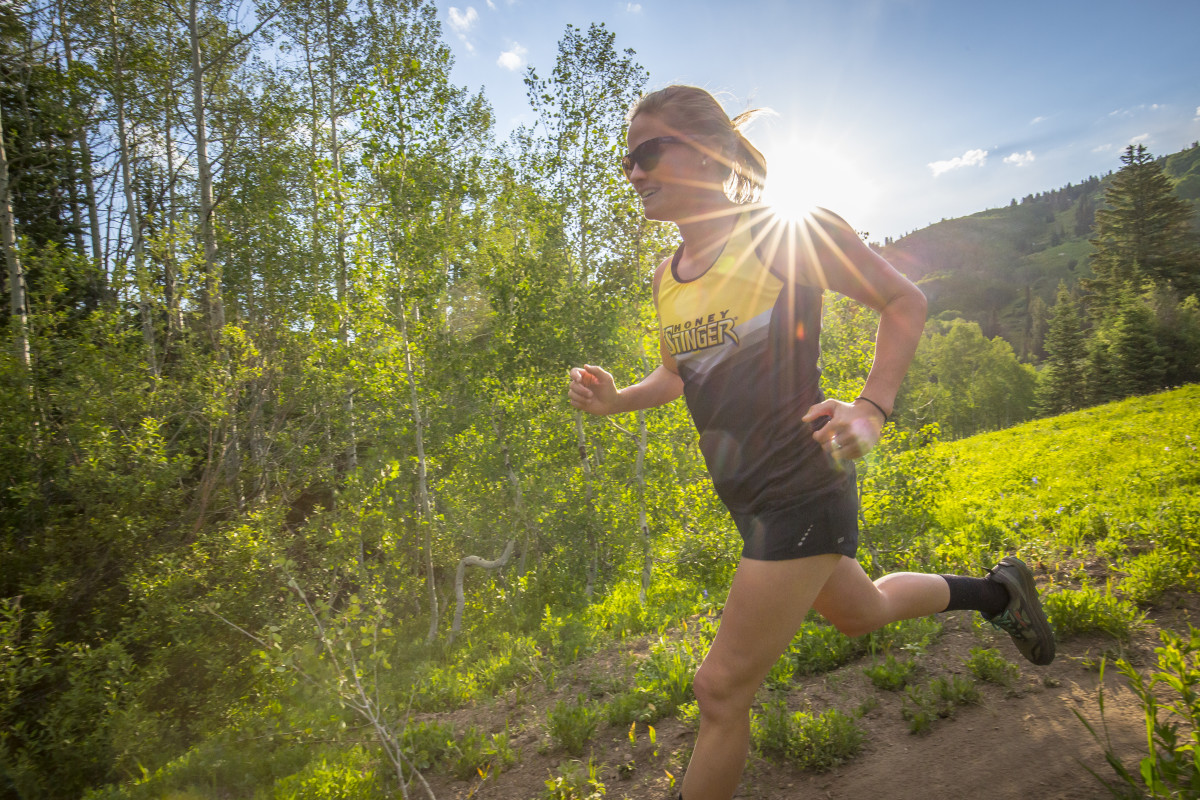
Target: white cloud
(512, 59)
(491, 5)
(1037, 120)
(1198, 112)
(461, 23)
(1020, 159)
(1136, 111)
(971, 158)
(633, 8)
(1141, 138)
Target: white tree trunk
(16, 274)
(85, 154)
(422, 476)
(643, 524)
(212, 276)
(131, 208)
(473, 561)
(518, 502)
(589, 498)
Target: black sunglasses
(646, 154)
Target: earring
(704, 161)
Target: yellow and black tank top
(745, 340)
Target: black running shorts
(828, 524)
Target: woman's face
(676, 180)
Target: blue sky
(894, 113)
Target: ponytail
(748, 166)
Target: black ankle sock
(976, 594)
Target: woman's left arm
(834, 257)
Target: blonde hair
(694, 111)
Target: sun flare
(802, 176)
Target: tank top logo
(700, 334)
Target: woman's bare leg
(767, 603)
(856, 605)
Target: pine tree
(1039, 321)
(1142, 237)
(1139, 364)
(1061, 382)
(1085, 215)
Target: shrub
(1151, 574)
(1171, 705)
(572, 725)
(912, 635)
(636, 705)
(781, 674)
(891, 675)
(937, 699)
(816, 743)
(427, 744)
(822, 648)
(664, 683)
(667, 673)
(475, 753)
(431, 745)
(349, 778)
(989, 665)
(573, 782)
(514, 661)
(566, 639)
(1083, 610)
(621, 612)
(954, 691)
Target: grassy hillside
(1119, 482)
(1104, 503)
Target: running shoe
(1023, 619)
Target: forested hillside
(1001, 268)
(284, 440)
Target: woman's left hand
(851, 431)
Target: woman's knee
(718, 694)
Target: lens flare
(802, 176)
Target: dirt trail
(1019, 743)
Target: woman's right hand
(593, 390)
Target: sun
(802, 176)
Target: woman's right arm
(594, 391)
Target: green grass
(990, 666)
(1088, 610)
(572, 724)
(938, 699)
(574, 781)
(816, 743)
(1149, 575)
(1171, 705)
(1097, 480)
(891, 675)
